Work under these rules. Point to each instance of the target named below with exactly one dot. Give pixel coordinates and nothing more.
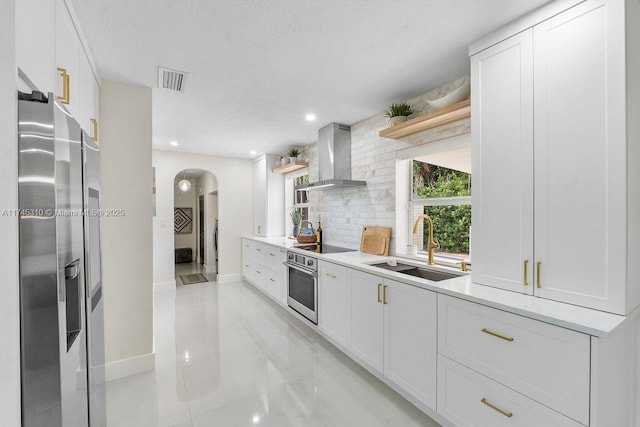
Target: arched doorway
(195, 196)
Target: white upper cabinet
(53, 58)
(90, 99)
(36, 50)
(69, 55)
(502, 134)
(574, 232)
(580, 156)
(268, 198)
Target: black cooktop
(324, 249)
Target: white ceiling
(257, 67)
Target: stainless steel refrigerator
(61, 304)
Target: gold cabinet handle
(94, 122)
(379, 285)
(524, 276)
(259, 250)
(259, 272)
(538, 264)
(65, 85)
(330, 276)
(384, 294)
(271, 254)
(495, 334)
(271, 279)
(495, 408)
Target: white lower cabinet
(410, 337)
(475, 365)
(545, 362)
(333, 302)
(262, 267)
(273, 283)
(393, 329)
(366, 318)
(469, 399)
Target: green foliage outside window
(450, 222)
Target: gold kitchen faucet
(432, 245)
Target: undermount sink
(421, 272)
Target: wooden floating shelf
(451, 114)
(290, 167)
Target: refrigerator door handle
(71, 271)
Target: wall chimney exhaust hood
(334, 159)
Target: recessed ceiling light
(253, 152)
(310, 117)
(174, 143)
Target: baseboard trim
(164, 286)
(209, 268)
(229, 278)
(126, 367)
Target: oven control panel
(304, 261)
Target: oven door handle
(313, 274)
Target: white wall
(207, 186)
(125, 162)
(235, 189)
(373, 159)
(9, 304)
(187, 199)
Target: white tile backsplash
(344, 212)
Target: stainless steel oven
(302, 290)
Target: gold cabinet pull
(65, 85)
(538, 264)
(259, 250)
(495, 334)
(524, 276)
(271, 279)
(94, 122)
(495, 408)
(384, 294)
(379, 285)
(259, 272)
(330, 276)
(272, 254)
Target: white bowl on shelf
(458, 94)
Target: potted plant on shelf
(296, 218)
(398, 112)
(293, 154)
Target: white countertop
(581, 319)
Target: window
(295, 199)
(441, 188)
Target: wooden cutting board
(375, 240)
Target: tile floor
(189, 268)
(228, 356)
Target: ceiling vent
(171, 79)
